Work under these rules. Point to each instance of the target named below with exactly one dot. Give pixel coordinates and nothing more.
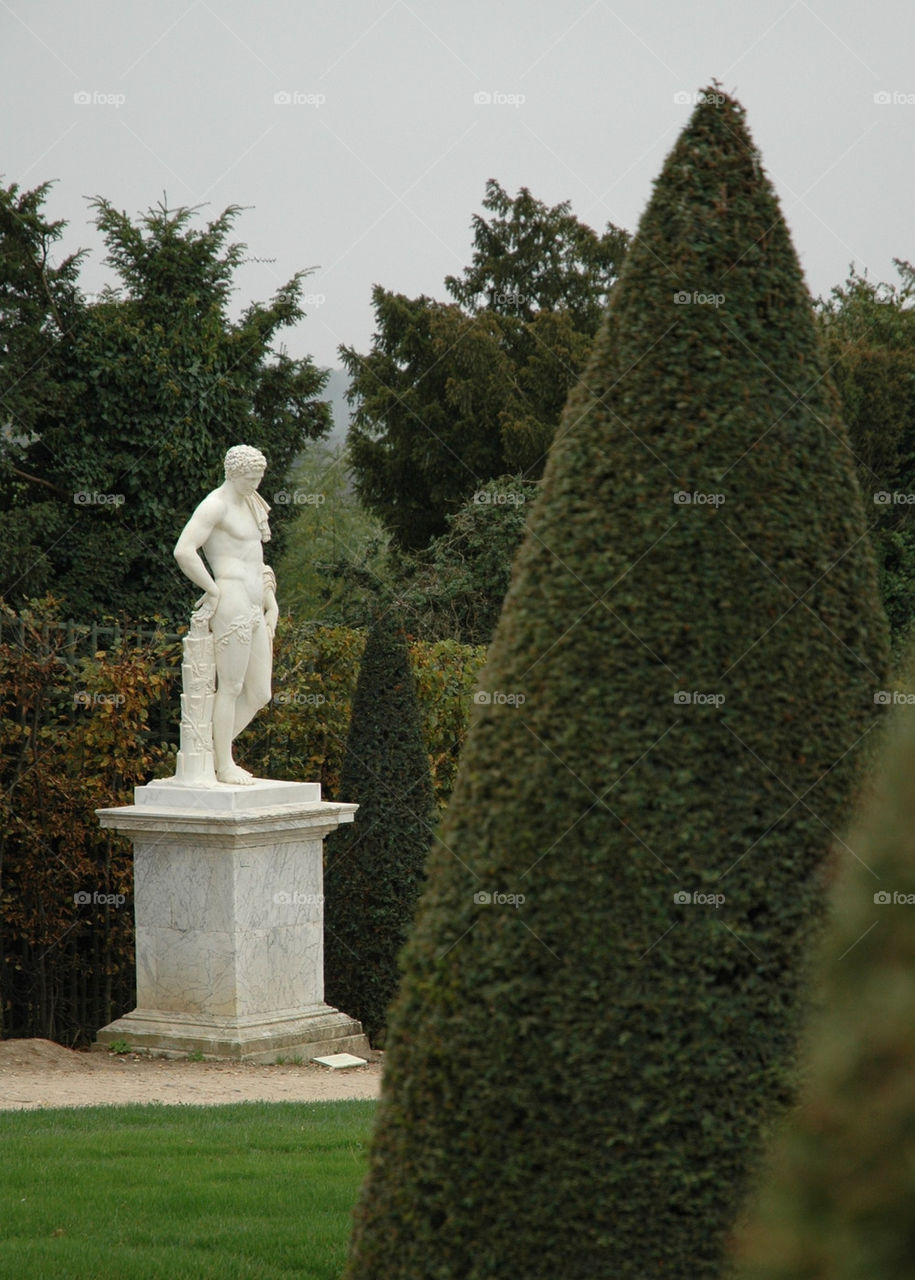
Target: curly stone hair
(243, 459)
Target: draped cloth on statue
(260, 510)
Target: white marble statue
(232, 626)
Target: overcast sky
(373, 169)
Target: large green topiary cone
(375, 866)
(576, 1084)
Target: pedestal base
(229, 907)
(300, 1033)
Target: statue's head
(245, 463)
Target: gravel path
(39, 1073)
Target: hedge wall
(79, 730)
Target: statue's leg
(257, 691)
(232, 632)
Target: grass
(241, 1192)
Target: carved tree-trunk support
(229, 911)
(194, 766)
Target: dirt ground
(39, 1073)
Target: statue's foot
(235, 776)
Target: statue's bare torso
(240, 605)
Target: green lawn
(240, 1192)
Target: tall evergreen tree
(576, 1083)
(40, 308)
(118, 413)
(453, 395)
(869, 332)
(375, 866)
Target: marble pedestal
(228, 897)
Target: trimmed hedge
(374, 866)
(79, 732)
(74, 736)
(580, 1061)
(316, 668)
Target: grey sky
(374, 174)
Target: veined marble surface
(263, 793)
(229, 910)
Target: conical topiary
(685, 664)
(375, 866)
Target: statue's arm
(193, 536)
(271, 609)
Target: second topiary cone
(375, 866)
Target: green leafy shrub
(446, 674)
(79, 732)
(74, 736)
(302, 734)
